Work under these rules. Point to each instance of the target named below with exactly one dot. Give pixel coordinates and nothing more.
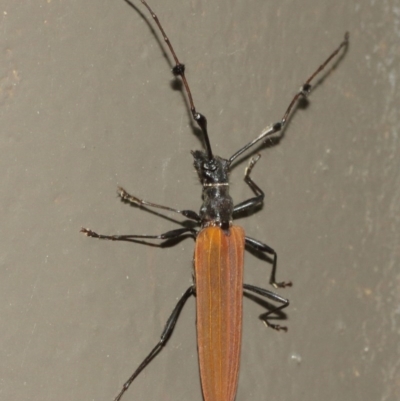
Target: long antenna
(303, 92)
(179, 70)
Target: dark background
(86, 104)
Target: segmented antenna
(303, 92)
(179, 70)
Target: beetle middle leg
(271, 295)
(166, 334)
(259, 246)
(173, 234)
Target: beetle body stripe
(219, 257)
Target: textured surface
(86, 105)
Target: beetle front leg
(127, 197)
(259, 198)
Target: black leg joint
(179, 69)
(305, 90)
(190, 214)
(277, 126)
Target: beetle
(219, 251)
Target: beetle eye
(209, 165)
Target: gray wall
(86, 104)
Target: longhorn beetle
(218, 257)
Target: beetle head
(210, 171)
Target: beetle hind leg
(275, 297)
(166, 334)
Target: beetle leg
(126, 197)
(271, 295)
(259, 246)
(166, 334)
(257, 200)
(134, 238)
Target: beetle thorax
(217, 206)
